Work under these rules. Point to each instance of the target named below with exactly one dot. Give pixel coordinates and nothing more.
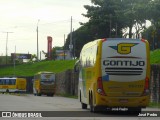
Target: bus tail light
(104, 39)
(146, 87)
(100, 86)
(143, 40)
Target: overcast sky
(21, 17)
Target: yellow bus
(44, 83)
(12, 84)
(114, 73)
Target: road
(60, 107)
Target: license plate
(123, 100)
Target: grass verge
(154, 105)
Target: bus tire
(92, 107)
(84, 106)
(7, 91)
(38, 94)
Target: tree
(33, 58)
(115, 18)
(152, 34)
(80, 37)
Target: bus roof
(121, 39)
(9, 78)
(91, 43)
(45, 72)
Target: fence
(155, 83)
(67, 83)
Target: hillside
(155, 56)
(29, 69)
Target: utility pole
(7, 45)
(110, 32)
(116, 29)
(37, 41)
(63, 47)
(74, 47)
(71, 45)
(14, 61)
(40, 55)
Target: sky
(20, 19)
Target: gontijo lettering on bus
(123, 63)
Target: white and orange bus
(114, 73)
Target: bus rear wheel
(92, 107)
(84, 106)
(7, 91)
(38, 94)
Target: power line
(49, 23)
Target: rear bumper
(141, 102)
(47, 91)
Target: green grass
(155, 56)
(154, 105)
(29, 69)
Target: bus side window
(10, 82)
(0, 82)
(4, 82)
(7, 81)
(14, 82)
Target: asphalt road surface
(30, 107)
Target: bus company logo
(123, 48)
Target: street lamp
(37, 40)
